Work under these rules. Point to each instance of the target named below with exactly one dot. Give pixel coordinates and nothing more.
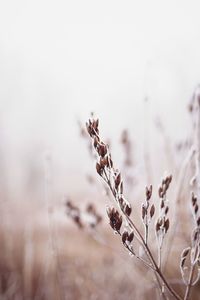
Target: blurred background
(135, 64)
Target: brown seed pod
(144, 211)
(124, 237)
(152, 210)
(128, 210)
(117, 180)
(158, 226)
(194, 199)
(130, 237)
(102, 150)
(166, 210)
(166, 225)
(148, 192)
(196, 208)
(115, 219)
(162, 204)
(99, 169)
(184, 256)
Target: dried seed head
(196, 208)
(121, 187)
(162, 204)
(198, 221)
(99, 169)
(182, 262)
(144, 211)
(127, 237)
(164, 186)
(160, 192)
(166, 210)
(158, 225)
(90, 208)
(124, 237)
(184, 255)
(92, 127)
(196, 235)
(185, 252)
(115, 219)
(96, 141)
(148, 192)
(68, 204)
(128, 209)
(121, 201)
(103, 162)
(117, 180)
(130, 237)
(194, 199)
(152, 211)
(102, 150)
(166, 225)
(77, 220)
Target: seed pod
(166, 210)
(128, 210)
(194, 199)
(160, 192)
(121, 187)
(115, 219)
(117, 180)
(124, 237)
(185, 252)
(102, 150)
(130, 237)
(162, 204)
(196, 208)
(166, 225)
(99, 169)
(96, 141)
(148, 192)
(103, 162)
(158, 225)
(195, 235)
(96, 124)
(182, 262)
(170, 179)
(144, 211)
(184, 256)
(152, 211)
(121, 201)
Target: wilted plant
(88, 218)
(132, 237)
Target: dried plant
(133, 238)
(190, 257)
(88, 218)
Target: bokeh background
(135, 64)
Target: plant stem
(189, 285)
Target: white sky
(59, 60)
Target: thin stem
(146, 232)
(159, 257)
(189, 285)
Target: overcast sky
(60, 60)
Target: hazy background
(60, 60)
